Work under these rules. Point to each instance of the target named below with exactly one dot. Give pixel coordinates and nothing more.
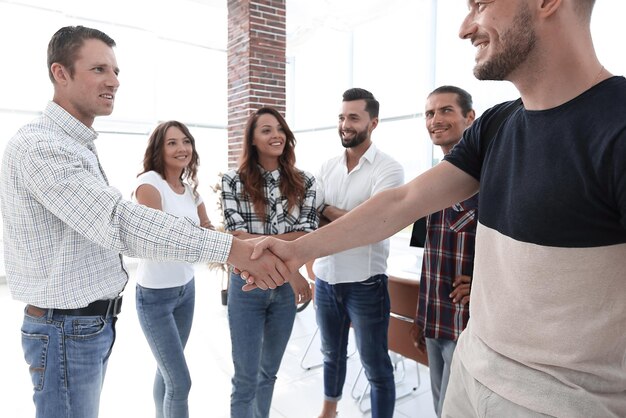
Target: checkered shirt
(239, 211)
(65, 227)
(449, 251)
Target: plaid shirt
(449, 252)
(65, 227)
(239, 214)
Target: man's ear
(469, 118)
(547, 8)
(374, 123)
(60, 73)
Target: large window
(172, 56)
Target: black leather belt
(109, 307)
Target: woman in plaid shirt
(266, 195)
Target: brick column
(256, 63)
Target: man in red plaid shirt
(448, 251)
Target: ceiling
(304, 16)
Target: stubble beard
(358, 139)
(518, 42)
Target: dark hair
(65, 43)
(371, 104)
(463, 98)
(292, 180)
(153, 158)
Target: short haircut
(371, 104)
(463, 98)
(65, 43)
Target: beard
(517, 42)
(358, 139)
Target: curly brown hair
(153, 158)
(292, 180)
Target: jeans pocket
(371, 298)
(87, 327)
(35, 348)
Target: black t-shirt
(553, 177)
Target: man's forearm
(388, 212)
(346, 229)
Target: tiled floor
(128, 385)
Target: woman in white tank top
(165, 293)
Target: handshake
(266, 262)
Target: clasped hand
(283, 254)
(270, 263)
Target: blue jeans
(67, 357)
(165, 316)
(260, 325)
(365, 305)
(440, 354)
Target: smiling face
(90, 90)
(503, 34)
(355, 124)
(177, 150)
(269, 140)
(445, 121)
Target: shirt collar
(270, 175)
(369, 155)
(72, 126)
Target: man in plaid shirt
(65, 229)
(448, 260)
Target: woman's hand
(301, 288)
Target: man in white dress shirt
(351, 286)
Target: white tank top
(164, 274)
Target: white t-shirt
(375, 172)
(164, 274)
